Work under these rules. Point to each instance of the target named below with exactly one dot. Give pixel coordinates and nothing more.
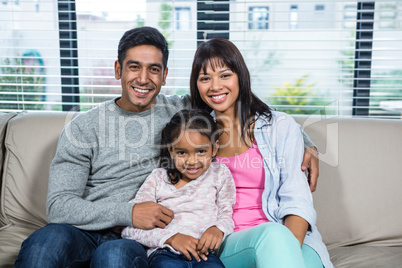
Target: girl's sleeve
(226, 199)
(157, 236)
(148, 189)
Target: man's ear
(165, 73)
(215, 148)
(117, 70)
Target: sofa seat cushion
(11, 238)
(366, 256)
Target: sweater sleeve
(226, 199)
(68, 178)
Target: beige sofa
(358, 199)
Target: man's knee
(47, 244)
(120, 253)
(51, 236)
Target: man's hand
(310, 163)
(149, 215)
(185, 244)
(211, 239)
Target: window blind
(339, 58)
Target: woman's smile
(219, 98)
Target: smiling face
(142, 76)
(219, 88)
(192, 154)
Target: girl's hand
(211, 239)
(185, 244)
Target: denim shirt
(287, 192)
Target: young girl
(199, 192)
(274, 215)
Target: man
(102, 158)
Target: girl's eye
(203, 79)
(226, 75)
(202, 151)
(180, 153)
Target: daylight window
(387, 14)
(293, 17)
(319, 7)
(183, 18)
(349, 16)
(258, 18)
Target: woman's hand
(310, 163)
(211, 239)
(185, 244)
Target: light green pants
(266, 245)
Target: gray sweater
(102, 158)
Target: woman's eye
(203, 79)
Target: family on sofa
(104, 156)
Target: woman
(274, 215)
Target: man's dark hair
(142, 36)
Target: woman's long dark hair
(220, 52)
(195, 119)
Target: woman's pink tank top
(248, 174)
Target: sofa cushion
(4, 118)
(30, 142)
(11, 238)
(366, 257)
(360, 183)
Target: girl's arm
(148, 192)
(225, 200)
(223, 226)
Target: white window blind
(304, 56)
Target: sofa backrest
(360, 184)
(357, 199)
(30, 143)
(4, 118)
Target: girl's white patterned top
(202, 203)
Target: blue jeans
(163, 258)
(63, 245)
